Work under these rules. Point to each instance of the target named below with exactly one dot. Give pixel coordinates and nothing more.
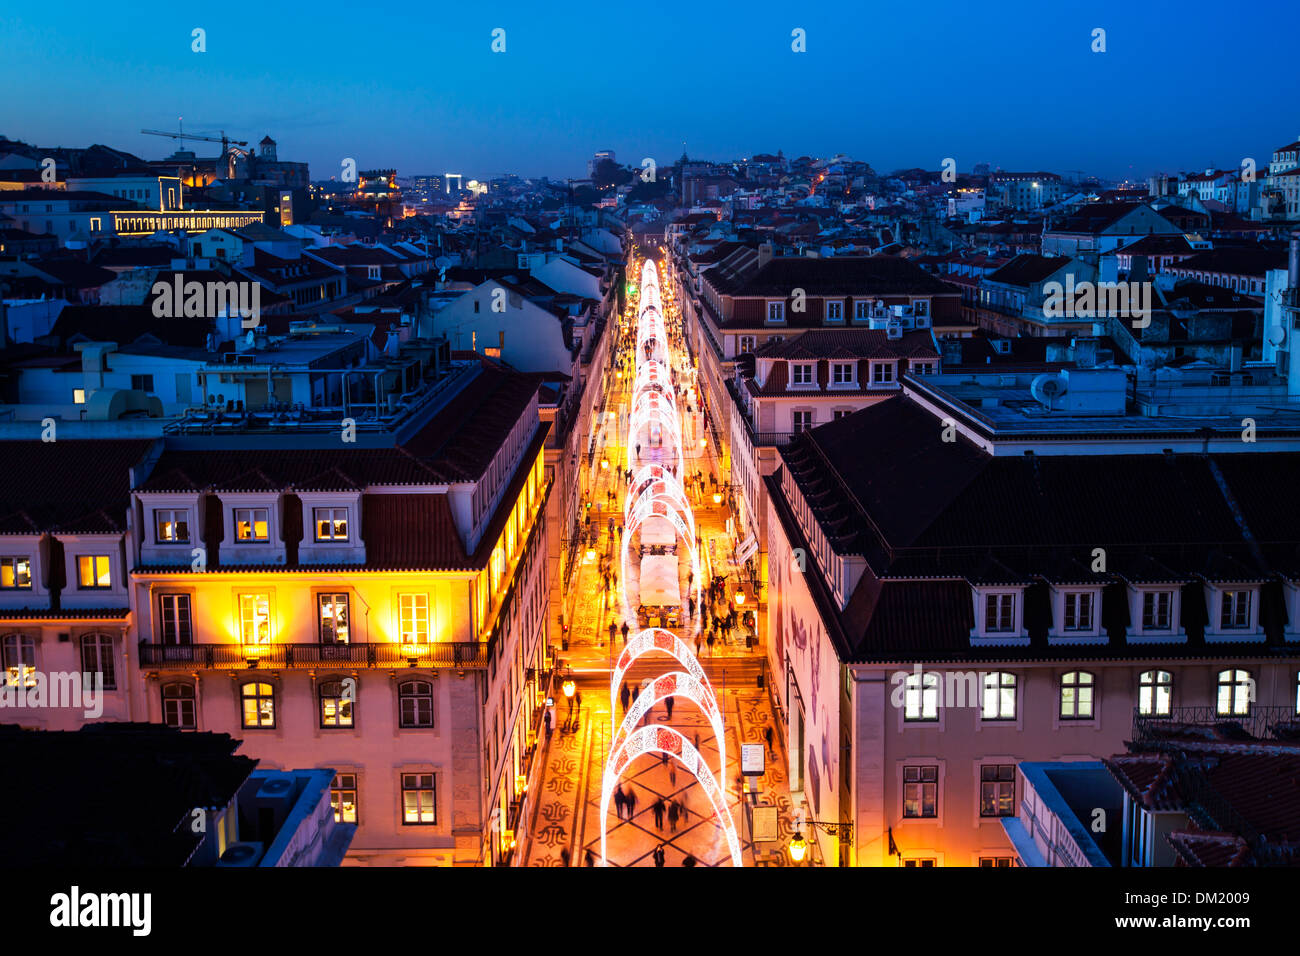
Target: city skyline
(480, 110)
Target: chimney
(1138, 272)
(1293, 268)
(1235, 357)
(764, 254)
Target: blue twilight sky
(1183, 84)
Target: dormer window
(801, 373)
(1234, 610)
(861, 310)
(844, 373)
(921, 307)
(1078, 612)
(251, 524)
(1000, 613)
(835, 310)
(171, 526)
(15, 572)
(883, 373)
(776, 311)
(331, 524)
(1157, 610)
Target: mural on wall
(800, 636)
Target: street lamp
(799, 846)
(568, 687)
(717, 497)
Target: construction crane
(229, 147)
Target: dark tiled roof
(836, 275)
(849, 343)
(411, 532)
(126, 323)
(1093, 218)
(1236, 260)
(67, 485)
(1025, 270)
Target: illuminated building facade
(380, 611)
(940, 613)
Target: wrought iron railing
(1259, 722)
(361, 654)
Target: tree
(609, 173)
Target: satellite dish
(442, 262)
(249, 338)
(1276, 335)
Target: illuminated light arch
(663, 489)
(661, 739)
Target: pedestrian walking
(636, 691)
(605, 577)
(767, 735)
(625, 630)
(672, 816)
(614, 577)
(624, 695)
(620, 802)
(659, 813)
(613, 628)
(630, 800)
(697, 645)
(659, 855)
(710, 643)
(672, 774)
(668, 706)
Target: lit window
(19, 660)
(1234, 612)
(331, 524)
(746, 343)
(1078, 611)
(921, 697)
(998, 790)
(1157, 610)
(999, 696)
(173, 527)
(255, 618)
(415, 703)
(15, 573)
(97, 658)
(78, 396)
(999, 613)
(93, 571)
(343, 797)
(175, 618)
(334, 618)
(251, 524)
(418, 808)
(1236, 691)
(413, 618)
(259, 705)
(1155, 693)
(920, 791)
(336, 704)
(1076, 695)
(178, 706)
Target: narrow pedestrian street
(722, 629)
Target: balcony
(1260, 722)
(461, 654)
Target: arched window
(415, 703)
(178, 706)
(921, 697)
(1155, 693)
(97, 658)
(999, 696)
(336, 698)
(19, 660)
(1076, 695)
(1236, 691)
(258, 700)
